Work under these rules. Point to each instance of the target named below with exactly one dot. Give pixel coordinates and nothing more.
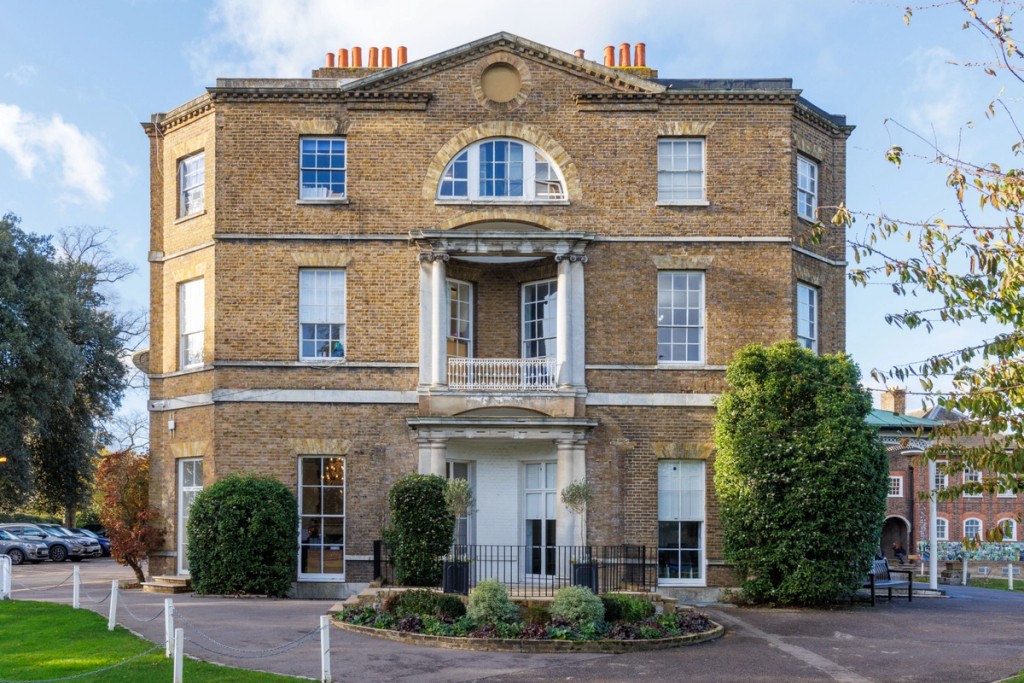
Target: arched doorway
(895, 529)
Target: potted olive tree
(458, 496)
(577, 496)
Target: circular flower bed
(536, 629)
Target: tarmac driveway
(974, 635)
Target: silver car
(90, 546)
(21, 550)
(60, 547)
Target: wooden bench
(879, 577)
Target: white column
(426, 321)
(562, 341)
(933, 543)
(577, 324)
(438, 456)
(439, 320)
(565, 519)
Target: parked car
(102, 540)
(22, 550)
(90, 546)
(60, 547)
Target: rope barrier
(94, 600)
(138, 618)
(92, 673)
(48, 588)
(246, 653)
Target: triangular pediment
(602, 76)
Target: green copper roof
(886, 419)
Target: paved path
(974, 635)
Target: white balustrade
(502, 374)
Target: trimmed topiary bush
(489, 604)
(242, 539)
(801, 477)
(628, 608)
(577, 604)
(421, 529)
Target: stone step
(170, 588)
(182, 580)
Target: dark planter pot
(585, 574)
(456, 577)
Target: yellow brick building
(502, 262)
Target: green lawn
(44, 641)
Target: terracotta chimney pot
(624, 54)
(403, 55)
(343, 57)
(357, 57)
(580, 53)
(609, 55)
(640, 54)
(385, 57)
(330, 60)
(374, 53)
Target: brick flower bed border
(536, 646)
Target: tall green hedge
(801, 478)
(421, 529)
(242, 537)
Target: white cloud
(21, 74)
(938, 100)
(287, 38)
(74, 157)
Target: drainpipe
(913, 526)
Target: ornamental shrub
(242, 537)
(424, 603)
(421, 529)
(801, 478)
(489, 604)
(577, 604)
(628, 608)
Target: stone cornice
(808, 115)
(312, 91)
(646, 101)
(193, 109)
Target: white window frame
(667, 309)
(318, 309)
(189, 471)
(972, 476)
(537, 168)
(192, 185)
(981, 528)
(941, 529)
(321, 544)
(191, 323)
(546, 492)
(460, 316)
(549, 336)
(319, 188)
(808, 298)
(807, 188)
(896, 483)
(1012, 536)
(680, 514)
(674, 166)
(941, 482)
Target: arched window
(941, 529)
(972, 528)
(1009, 529)
(501, 169)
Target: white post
(112, 621)
(933, 543)
(1009, 574)
(325, 649)
(5, 577)
(179, 653)
(169, 625)
(76, 587)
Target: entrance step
(168, 584)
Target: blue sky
(77, 78)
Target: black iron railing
(539, 570)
